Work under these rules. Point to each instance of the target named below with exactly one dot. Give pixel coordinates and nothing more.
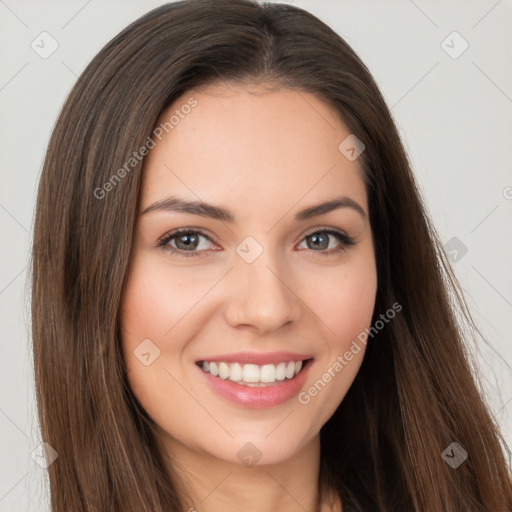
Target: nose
(261, 296)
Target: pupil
(322, 245)
(187, 244)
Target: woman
(192, 352)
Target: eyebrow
(176, 204)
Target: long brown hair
(415, 393)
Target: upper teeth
(252, 373)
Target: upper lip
(258, 358)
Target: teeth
(235, 372)
(213, 369)
(268, 373)
(252, 374)
(281, 371)
(223, 370)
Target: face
(218, 319)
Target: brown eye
(186, 241)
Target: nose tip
(261, 297)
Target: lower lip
(258, 397)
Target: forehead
(265, 147)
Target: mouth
(251, 385)
(254, 375)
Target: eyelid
(318, 229)
(165, 238)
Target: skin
(265, 155)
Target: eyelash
(346, 241)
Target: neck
(210, 484)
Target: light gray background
(454, 116)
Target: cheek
(149, 311)
(161, 312)
(156, 300)
(344, 302)
(146, 317)
(355, 304)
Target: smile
(255, 382)
(252, 375)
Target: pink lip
(258, 358)
(258, 397)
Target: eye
(185, 241)
(188, 242)
(319, 241)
